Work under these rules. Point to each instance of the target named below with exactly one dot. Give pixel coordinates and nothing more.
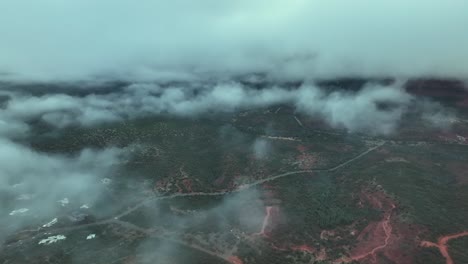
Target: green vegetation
(316, 202)
(425, 188)
(170, 155)
(458, 249)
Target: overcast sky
(151, 39)
(76, 40)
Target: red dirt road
(266, 220)
(442, 245)
(377, 237)
(235, 260)
(387, 229)
(304, 248)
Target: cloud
(375, 109)
(36, 186)
(196, 51)
(212, 228)
(182, 39)
(39, 181)
(435, 115)
(357, 111)
(261, 148)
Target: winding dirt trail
(304, 248)
(266, 220)
(376, 236)
(387, 228)
(442, 245)
(233, 259)
(149, 233)
(357, 157)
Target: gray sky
(75, 40)
(140, 40)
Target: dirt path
(242, 188)
(115, 219)
(387, 228)
(376, 236)
(174, 240)
(442, 245)
(339, 166)
(298, 121)
(266, 220)
(357, 157)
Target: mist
(39, 186)
(85, 64)
(216, 225)
(261, 148)
(201, 49)
(354, 111)
(50, 40)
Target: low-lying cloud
(197, 49)
(374, 109)
(36, 186)
(241, 212)
(153, 40)
(261, 148)
(138, 100)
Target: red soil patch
(271, 213)
(442, 245)
(306, 161)
(162, 185)
(219, 180)
(301, 148)
(179, 189)
(235, 260)
(322, 255)
(381, 237)
(375, 237)
(187, 184)
(304, 248)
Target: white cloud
(48, 178)
(261, 148)
(374, 109)
(359, 111)
(70, 40)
